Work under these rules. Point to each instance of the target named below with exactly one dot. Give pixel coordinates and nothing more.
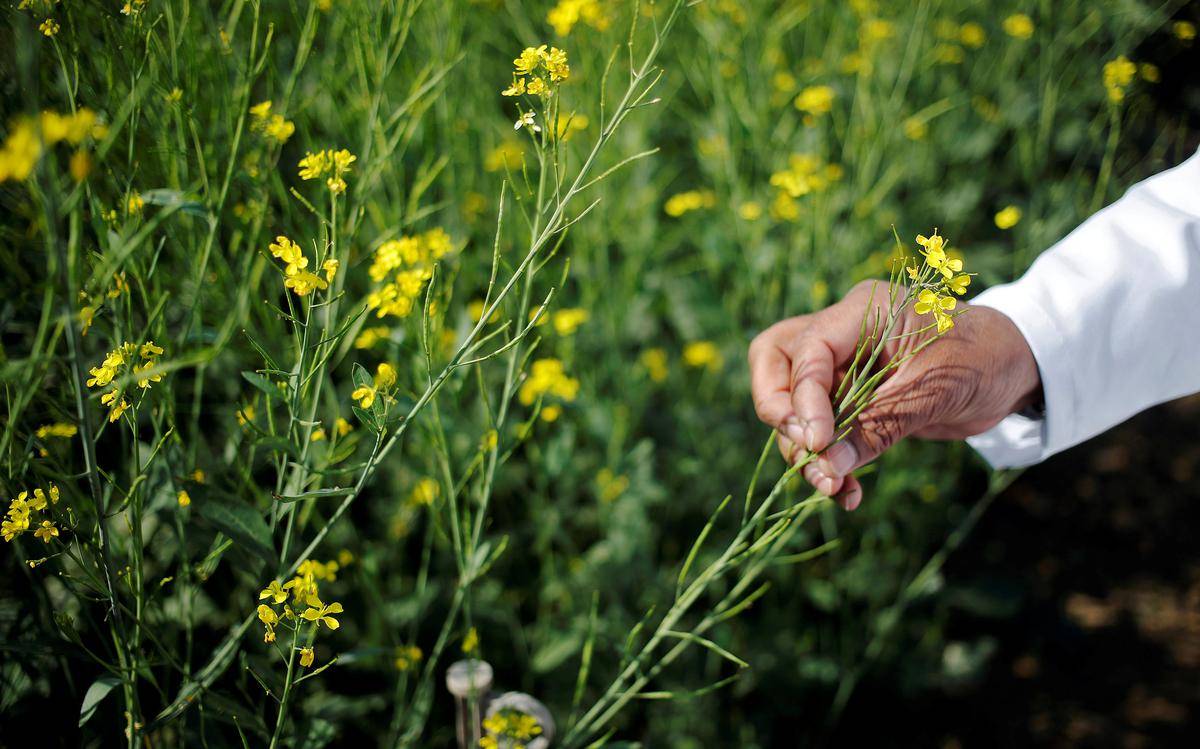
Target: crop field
(343, 340)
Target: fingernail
(853, 501)
(825, 486)
(810, 438)
(794, 431)
(839, 459)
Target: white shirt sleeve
(1112, 315)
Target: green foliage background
(413, 88)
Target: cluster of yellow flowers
(20, 515)
(509, 729)
(703, 355)
(537, 70)
(409, 262)
(335, 164)
(424, 492)
(119, 360)
(28, 137)
(567, 321)
(408, 656)
(654, 361)
(939, 274)
(272, 126)
(297, 277)
(369, 337)
(1018, 26)
(563, 16)
(1118, 74)
(692, 200)
(547, 377)
(305, 597)
(610, 485)
(815, 101)
(57, 429)
(385, 378)
(805, 174)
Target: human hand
(978, 372)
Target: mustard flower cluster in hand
(937, 281)
(297, 277)
(536, 71)
(404, 265)
(124, 360)
(334, 165)
(22, 515)
(509, 729)
(27, 138)
(273, 126)
(305, 604)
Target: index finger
(771, 383)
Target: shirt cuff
(1019, 440)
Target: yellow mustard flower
(304, 283)
(470, 643)
(1118, 74)
(1018, 26)
(46, 531)
(184, 499)
(567, 321)
(57, 429)
(692, 200)
(424, 492)
(306, 656)
(371, 336)
(702, 354)
(547, 377)
(1007, 217)
(407, 656)
(815, 100)
(49, 27)
(322, 614)
(972, 35)
(654, 360)
(1184, 30)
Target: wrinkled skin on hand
(961, 384)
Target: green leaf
(331, 492)
(95, 694)
(361, 377)
(366, 417)
(264, 384)
(174, 198)
(240, 522)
